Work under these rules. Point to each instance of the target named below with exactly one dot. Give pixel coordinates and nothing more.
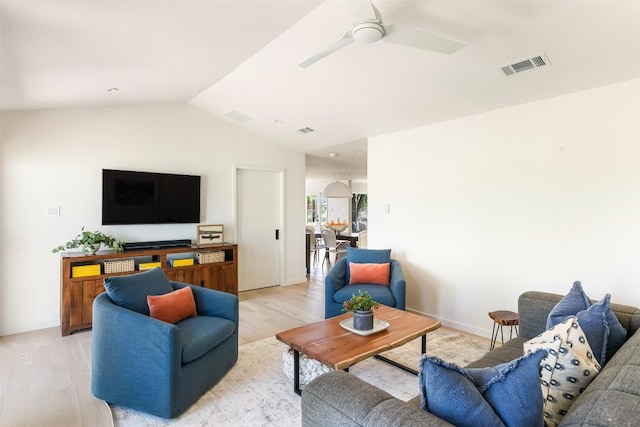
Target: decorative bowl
(337, 228)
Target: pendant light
(336, 189)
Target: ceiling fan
(368, 28)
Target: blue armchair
(337, 288)
(156, 367)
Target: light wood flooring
(45, 378)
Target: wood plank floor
(45, 378)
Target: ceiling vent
(305, 130)
(238, 116)
(526, 64)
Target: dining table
(352, 238)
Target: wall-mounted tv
(130, 197)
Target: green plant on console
(87, 239)
(361, 302)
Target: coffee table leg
(296, 372)
(400, 365)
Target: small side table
(502, 318)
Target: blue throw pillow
(576, 300)
(603, 342)
(617, 334)
(593, 322)
(131, 291)
(503, 395)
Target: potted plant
(362, 306)
(90, 242)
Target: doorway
(259, 231)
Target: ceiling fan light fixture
(367, 32)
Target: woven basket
(209, 257)
(119, 266)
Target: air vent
(305, 130)
(521, 65)
(238, 116)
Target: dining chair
(313, 243)
(362, 239)
(331, 245)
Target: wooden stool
(502, 318)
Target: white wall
(55, 158)
(529, 197)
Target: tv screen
(130, 197)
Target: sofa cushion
(172, 307)
(378, 256)
(577, 301)
(202, 333)
(568, 368)
(507, 352)
(381, 294)
(371, 273)
(131, 291)
(613, 397)
(504, 395)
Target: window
(359, 203)
(312, 209)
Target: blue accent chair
(157, 367)
(337, 288)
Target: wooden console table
(77, 293)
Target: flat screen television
(130, 197)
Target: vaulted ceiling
(238, 59)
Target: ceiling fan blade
(363, 11)
(344, 41)
(418, 39)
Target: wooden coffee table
(328, 342)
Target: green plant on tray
(361, 302)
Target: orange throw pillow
(373, 274)
(174, 306)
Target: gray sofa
(612, 399)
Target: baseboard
(481, 332)
(295, 281)
(18, 329)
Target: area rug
(256, 392)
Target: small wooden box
(148, 265)
(181, 262)
(209, 234)
(85, 270)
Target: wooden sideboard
(77, 293)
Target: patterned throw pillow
(567, 370)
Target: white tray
(378, 326)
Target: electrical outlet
(53, 211)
